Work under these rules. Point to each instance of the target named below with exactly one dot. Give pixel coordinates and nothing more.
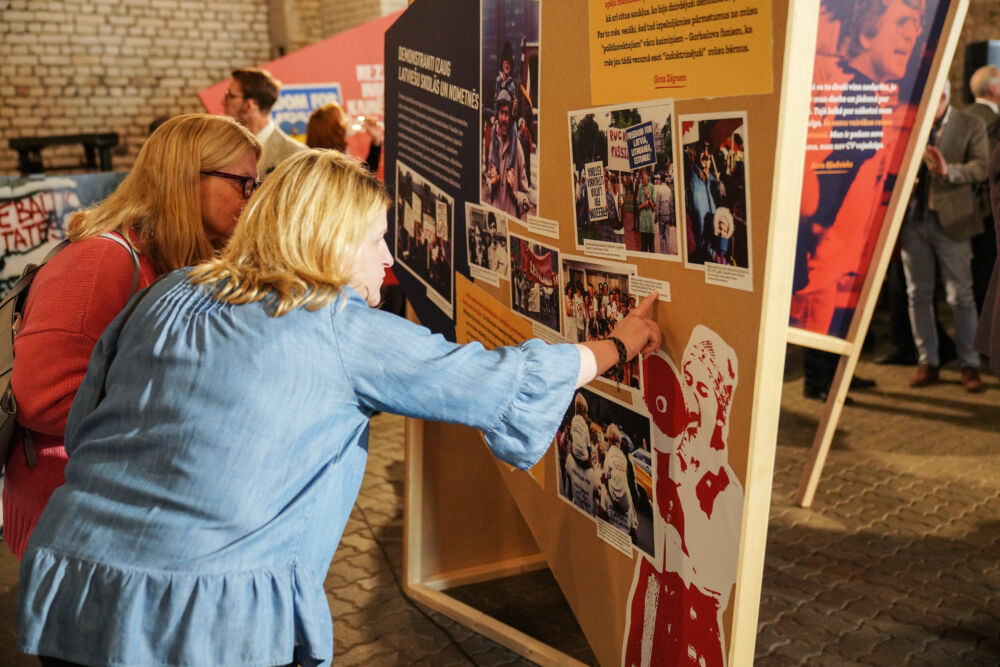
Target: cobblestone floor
(896, 563)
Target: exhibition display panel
(551, 164)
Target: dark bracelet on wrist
(622, 352)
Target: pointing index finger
(646, 303)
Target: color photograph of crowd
(424, 222)
(715, 193)
(595, 298)
(534, 281)
(605, 465)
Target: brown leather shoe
(925, 375)
(971, 380)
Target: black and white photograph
(424, 224)
(487, 242)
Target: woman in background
(219, 440)
(177, 205)
(328, 128)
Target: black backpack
(11, 311)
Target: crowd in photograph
(597, 472)
(592, 311)
(639, 209)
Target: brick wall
(982, 23)
(77, 66)
(307, 28)
(340, 15)
(73, 66)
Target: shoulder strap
(120, 240)
(29, 274)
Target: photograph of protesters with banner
(534, 281)
(509, 80)
(622, 171)
(424, 224)
(605, 465)
(872, 62)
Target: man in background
(985, 86)
(941, 220)
(249, 99)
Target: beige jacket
(277, 147)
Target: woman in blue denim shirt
(218, 441)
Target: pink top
(72, 300)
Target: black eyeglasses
(248, 183)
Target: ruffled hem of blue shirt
(172, 618)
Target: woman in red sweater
(176, 207)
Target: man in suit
(941, 219)
(985, 86)
(249, 99)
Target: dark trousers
(646, 240)
(818, 369)
(984, 255)
(899, 313)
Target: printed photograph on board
(534, 281)
(871, 69)
(596, 297)
(424, 224)
(605, 465)
(509, 119)
(715, 189)
(623, 177)
(487, 243)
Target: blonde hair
(160, 198)
(299, 238)
(326, 128)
